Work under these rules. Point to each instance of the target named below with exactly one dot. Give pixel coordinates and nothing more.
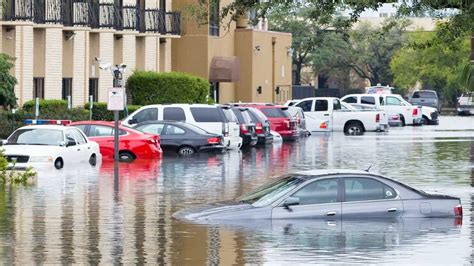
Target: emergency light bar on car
(46, 122)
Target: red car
(280, 119)
(133, 144)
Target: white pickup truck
(391, 104)
(352, 122)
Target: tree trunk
(297, 80)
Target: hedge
(172, 87)
(100, 112)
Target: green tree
(309, 27)
(437, 65)
(367, 52)
(7, 82)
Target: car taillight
(243, 128)
(458, 210)
(415, 111)
(377, 118)
(323, 125)
(258, 128)
(213, 140)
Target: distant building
(243, 62)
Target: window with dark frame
(67, 88)
(94, 88)
(38, 88)
(214, 18)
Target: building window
(94, 88)
(67, 88)
(214, 18)
(163, 5)
(38, 88)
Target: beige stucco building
(55, 43)
(245, 63)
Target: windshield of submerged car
(271, 191)
(36, 136)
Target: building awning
(224, 69)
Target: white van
(208, 117)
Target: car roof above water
(55, 127)
(323, 172)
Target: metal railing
(92, 13)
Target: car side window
(149, 114)
(100, 131)
(69, 136)
(318, 192)
(173, 130)
(350, 99)
(81, 127)
(79, 137)
(393, 101)
(361, 189)
(152, 128)
(416, 95)
(307, 105)
(336, 105)
(174, 114)
(321, 106)
(368, 100)
(207, 114)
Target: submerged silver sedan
(329, 194)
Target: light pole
(116, 103)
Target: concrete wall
(39, 36)
(24, 63)
(68, 57)
(80, 80)
(140, 53)
(128, 54)
(106, 51)
(53, 63)
(151, 44)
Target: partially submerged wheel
(127, 157)
(93, 160)
(354, 129)
(186, 151)
(58, 164)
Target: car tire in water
(58, 164)
(93, 160)
(402, 118)
(354, 128)
(425, 120)
(186, 151)
(127, 157)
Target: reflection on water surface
(74, 215)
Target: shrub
(173, 87)
(100, 112)
(45, 105)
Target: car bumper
(212, 148)
(289, 135)
(233, 143)
(395, 123)
(465, 110)
(249, 139)
(417, 121)
(382, 127)
(264, 139)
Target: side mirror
(3, 142)
(132, 121)
(70, 142)
(291, 201)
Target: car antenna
(368, 169)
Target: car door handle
(392, 210)
(78, 149)
(326, 114)
(331, 214)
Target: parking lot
(73, 215)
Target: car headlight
(41, 159)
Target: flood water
(74, 215)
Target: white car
(211, 118)
(49, 145)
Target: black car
(247, 127)
(262, 126)
(183, 138)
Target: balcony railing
(92, 13)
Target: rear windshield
(229, 115)
(208, 114)
(424, 94)
(275, 112)
(256, 115)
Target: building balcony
(104, 14)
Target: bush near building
(172, 87)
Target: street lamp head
(105, 66)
